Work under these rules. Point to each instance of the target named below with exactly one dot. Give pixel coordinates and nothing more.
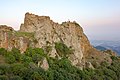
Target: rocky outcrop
(47, 32)
(45, 64)
(12, 39)
(4, 36)
(41, 32)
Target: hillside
(50, 49)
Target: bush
(25, 60)
(48, 49)
(3, 77)
(36, 76)
(36, 58)
(31, 51)
(4, 69)
(16, 78)
(62, 49)
(23, 67)
(3, 51)
(16, 68)
(114, 58)
(10, 58)
(16, 53)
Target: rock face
(40, 31)
(45, 64)
(4, 35)
(47, 32)
(11, 39)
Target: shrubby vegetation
(19, 66)
(24, 34)
(62, 49)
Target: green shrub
(3, 77)
(62, 49)
(16, 78)
(22, 66)
(31, 51)
(36, 76)
(16, 68)
(3, 51)
(24, 34)
(114, 58)
(10, 58)
(4, 69)
(36, 58)
(16, 53)
(26, 60)
(48, 49)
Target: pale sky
(100, 19)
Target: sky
(100, 19)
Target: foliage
(2, 51)
(16, 78)
(16, 53)
(36, 76)
(37, 57)
(114, 58)
(3, 77)
(62, 49)
(48, 49)
(24, 66)
(4, 69)
(31, 51)
(10, 58)
(24, 34)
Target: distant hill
(100, 48)
(113, 45)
